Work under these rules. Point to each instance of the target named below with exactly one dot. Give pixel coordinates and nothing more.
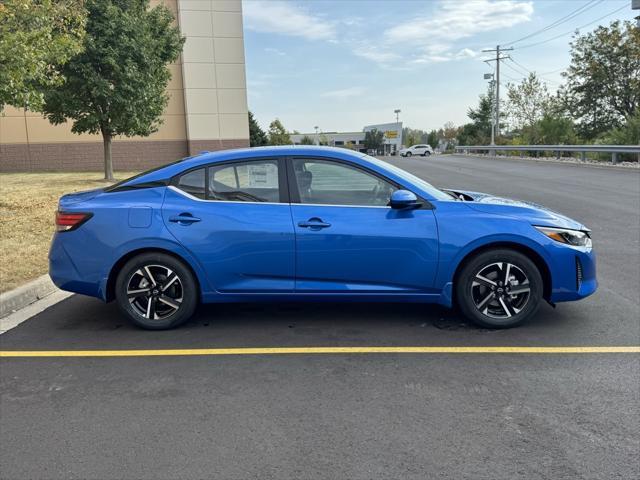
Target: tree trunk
(108, 163)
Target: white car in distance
(420, 149)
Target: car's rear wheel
(499, 289)
(156, 291)
(426, 154)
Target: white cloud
(286, 19)
(274, 51)
(454, 20)
(433, 38)
(344, 93)
(375, 54)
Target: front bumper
(573, 273)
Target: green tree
(549, 130)
(448, 134)
(478, 132)
(432, 139)
(628, 134)
(306, 140)
(116, 86)
(411, 136)
(374, 139)
(527, 102)
(323, 140)
(257, 137)
(36, 38)
(603, 80)
(278, 135)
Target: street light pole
(317, 140)
(397, 112)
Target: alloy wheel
(500, 290)
(155, 292)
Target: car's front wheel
(499, 289)
(408, 154)
(426, 154)
(156, 291)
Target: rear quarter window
(193, 183)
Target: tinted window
(245, 182)
(331, 183)
(193, 183)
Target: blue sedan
(312, 224)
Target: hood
(71, 198)
(532, 212)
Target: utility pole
(397, 112)
(496, 122)
(491, 78)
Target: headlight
(577, 238)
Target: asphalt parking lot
(349, 415)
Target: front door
(349, 241)
(236, 221)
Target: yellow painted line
(312, 350)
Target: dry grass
(28, 202)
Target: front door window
(322, 182)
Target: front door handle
(314, 223)
(184, 219)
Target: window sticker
(264, 175)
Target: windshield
(426, 186)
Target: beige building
(207, 108)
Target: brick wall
(80, 156)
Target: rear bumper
(65, 274)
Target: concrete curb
(25, 295)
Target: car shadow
(85, 323)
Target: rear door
(234, 217)
(349, 241)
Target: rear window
(122, 185)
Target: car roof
(160, 175)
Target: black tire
(427, 154)
(408, 154)
(172, 300)
(491, 305)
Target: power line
(571, 31)
(515, 70)
(531, 71)
(587, 6)
(513, 79)
(553, 71)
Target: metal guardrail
(614, 150)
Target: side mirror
(404, 199)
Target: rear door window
(254, 181)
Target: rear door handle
(184, 219)
(314, 223)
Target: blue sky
(344, 64)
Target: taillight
(70, 221)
